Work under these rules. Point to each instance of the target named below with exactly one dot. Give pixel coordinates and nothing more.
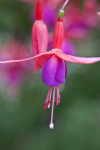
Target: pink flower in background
(49, 16)
(78, 22)
(68, 47)
(74, 24)
(13, 75)
(90, 15)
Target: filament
(51, 126)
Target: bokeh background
(23, 123)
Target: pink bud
(39, 34)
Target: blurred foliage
(23, 124)
(14, 18)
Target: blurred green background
(23, 123)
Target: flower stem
(39, 10)
(64, 4)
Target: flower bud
(59, 31)
(39, 34)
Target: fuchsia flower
(54, 67)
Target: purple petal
(54, 71)
(61, 71)
(49, 71)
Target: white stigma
(48, 105)
(51, 126)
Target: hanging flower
(54, 68)
(53, 62)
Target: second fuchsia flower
(39, 33)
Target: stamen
(45, 106)
(51, 126)
(49, 106)
(50, 93)
(47, 99)
(58, 96)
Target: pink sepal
(41, 58)
(74, 59)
